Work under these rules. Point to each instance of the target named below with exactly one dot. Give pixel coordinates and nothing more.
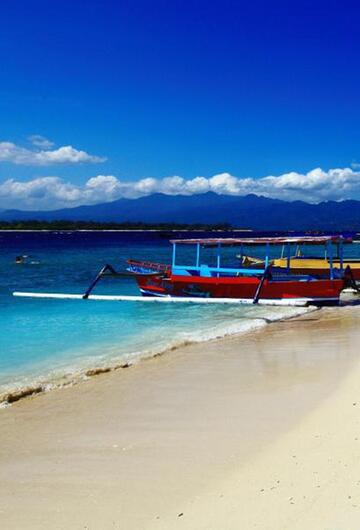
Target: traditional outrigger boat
(243, 282)
(224, 282)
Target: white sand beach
(261, 430)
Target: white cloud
(40, 141)
(10, 152)
(54, 192)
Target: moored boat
(222, 278)
(241, 282)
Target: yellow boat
(299, 264)
(317, 266)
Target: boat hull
(319, 292)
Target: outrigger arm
(265, 276)
(350, 280)
(100, 274)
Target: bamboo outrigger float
(202, 283)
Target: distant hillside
(251, 211)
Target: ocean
(52, 342)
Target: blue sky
(156, 89)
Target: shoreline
(198, 439)
(41, 384)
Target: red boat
(247, 285)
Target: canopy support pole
(174, 255)
(288, 258)
(267, 255)
(198, 254)
(218, 258)
(331, 261)
(341, 256)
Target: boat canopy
(219, 243)
(233, 241)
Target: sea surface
(49, 341)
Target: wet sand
(255, 431)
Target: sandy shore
(257, 431)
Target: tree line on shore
(93, 225)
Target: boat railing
(160, 267)
(205, 270)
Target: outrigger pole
(165, 299)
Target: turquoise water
(45, 340)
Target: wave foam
(29, 387)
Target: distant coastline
(120, 230)
(92, 226)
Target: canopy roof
(233, 241)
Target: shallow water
(44, 340)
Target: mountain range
(250, 211)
